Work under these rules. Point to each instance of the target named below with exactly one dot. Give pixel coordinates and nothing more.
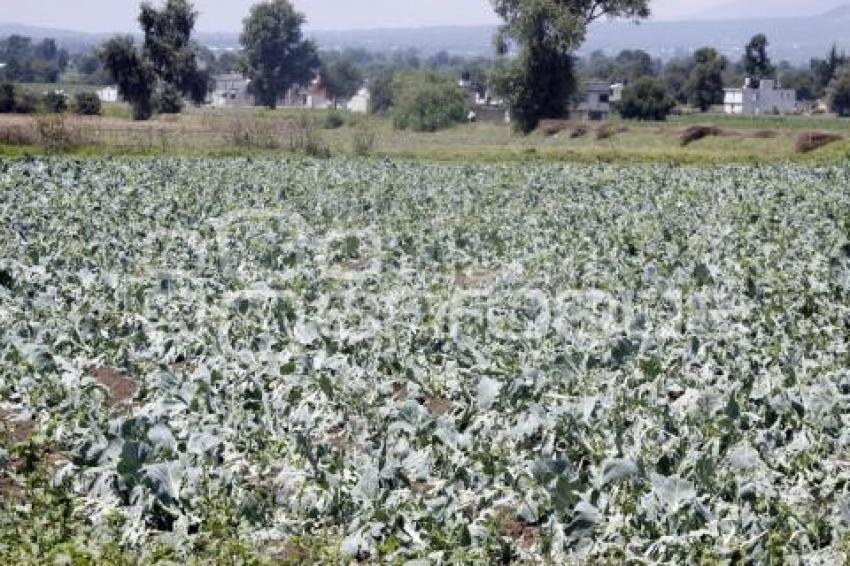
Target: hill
(796, 39)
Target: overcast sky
(227, 15)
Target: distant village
(598, 99)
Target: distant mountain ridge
(755, 9)
(796, 39)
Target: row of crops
(386, 361)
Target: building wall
(760, 101)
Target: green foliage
(756, 61)
(275, 54)
(169, 100)
(342, 79)
(840, 93)
(132, 73)
(169, 48)
(705, 83)
(426, 101)
(26, 102)
(381, 92)
(166, 67)
(363, 139)
(334, 120)
(539, 82)
(646, 99)
(7, 97)
(54, 102)
(26, 62)
(87, 104)
(824, 70)
(628, 66)
(536, 87)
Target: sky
(227, 15)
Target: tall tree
(167, 64)
(169, 48)
(539, 83)
(342, 79)
(276, 55)
(824, 70)
(840, 94)
(134, 76)
(756, 60)
(705, 84)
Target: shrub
(695, 133)
(334, 120)
(646, 99)
(26, 102)
(248, 131)
(7, 98)
(87, 104)
(810, 141)
(426, 101)
(579, 132)
(363, 140)
(55, 102)
(305, 139)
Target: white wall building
(761, 100)
(360, 103)
(231, 90)
(108, 94)
(596, 102)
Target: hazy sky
(226, 15)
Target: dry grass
(18, 134)
(811, 141)
(695, 133)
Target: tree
(342, 80)
(705, 84)
(540, 81)
(646, 99)
(801, 80)
(675, 76)
(132, 73)
(87, 104)
(276, 55)
(840, 95)
(166, 64)
(7, 97)
(426, 101)
(169, 48)
(756, 61)
(381, 91)
(824, 70)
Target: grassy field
(251, 132)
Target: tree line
(536, 70)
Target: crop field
(296, 361)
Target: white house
(761, 100)
(596, 103)
(231, 90)
(617, 92)
(108, 94)
(360, 103)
